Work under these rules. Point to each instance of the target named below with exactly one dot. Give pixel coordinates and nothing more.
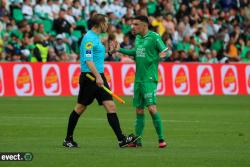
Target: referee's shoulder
(89, 37)
(88, 34)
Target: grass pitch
(201, 132)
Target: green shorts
(144, 94)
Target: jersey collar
(94, 33)
(145, 35)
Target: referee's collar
(94, 33)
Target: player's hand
(163, 54)
(99, 81)
(115, 46)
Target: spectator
(152, 6)
(223, 27)
(169, 24)
(127, 44)
(117, 8)
(59, 46)
(61, 25)
(49, 10)
(244, 48)
(110, 56)
(2, 58)
(77, 10)
(35, 28)
(15, 4)
(214, 56)
(55, 8)
(63, 57)
(41, 49)
(183, 56)
(40, 9)
(93, 6)
(27, 10)
(69, 17)
(182, 12)
(90, 22)
(3, 9)
(42, 32)
(13, 48)
(159, 24)
(52, 55)
(104, 8)
(118, 34)
(232, 51)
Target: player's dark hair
(98, 19)
(142, 19)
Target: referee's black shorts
(89, 90)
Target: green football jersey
(146, 53)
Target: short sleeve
(160, 44)
(87, 50)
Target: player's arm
(161, 47)
(116, 48)
(88, 58)
(129, 52)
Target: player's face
(138, 26)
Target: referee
(92, 53)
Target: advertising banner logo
(181, 82)
(23, 80)
(51, 80)
(205, 80)
(108, 72)
(128, 77)
(229, 79)
(74, 74)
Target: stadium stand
(210, 31)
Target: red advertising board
(61, 79)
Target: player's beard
(133, 32)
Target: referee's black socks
(73, 118)
(114, 123)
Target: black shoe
(135, 144)
(70, 144)
(128, 140)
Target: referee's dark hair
(98, 19)
(142, 19)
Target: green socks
(139, 125)
(158, 124)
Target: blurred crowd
(210, 31)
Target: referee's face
(138, 26)
(104, 25)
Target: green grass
(201, 132)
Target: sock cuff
(111, 114)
